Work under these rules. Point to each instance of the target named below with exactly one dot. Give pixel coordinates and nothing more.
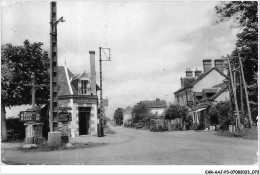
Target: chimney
(157, 100)
(92, 72)
(182, 82)
(197, 72)
(219, 64)
(206, 65)
(189, 72)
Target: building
(203, 89)
(80, 94)
(127, 114)
(156, 106)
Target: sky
(152, 43)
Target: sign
(30, 116)
(64, 117)
(82, 100)
(65, 108)
(105, 102)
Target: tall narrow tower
(53, 69)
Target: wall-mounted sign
(84, 101)
(30, 116)
(64, 117)
(65, 108)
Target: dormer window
(84, 85)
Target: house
(198, 91)
(79, 92)
(127, 114)
(156, 106)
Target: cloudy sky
(152, 42)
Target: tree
(245, 17)
(118, 116)
(140, 113)
(17, 65)
(176, 111)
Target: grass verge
(44, 147)
(251, 134)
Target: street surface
(142, 147)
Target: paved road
(140, 147)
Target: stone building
(80, 94)
(203, 89)
(156, 106)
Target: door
(84, 125)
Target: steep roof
(198, 79)
(155, 103)
(64, 78)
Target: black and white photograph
(130, 83)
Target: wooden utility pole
(241, 95)
(230, 93)
(235, 98)
(247, 101)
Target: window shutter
(80, 87)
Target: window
(84, 84)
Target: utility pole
(235, 98)
(53, 65)
(108, 58)
(230, 93)
(247, 101)
(241, 95)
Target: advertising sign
(64, 117)
(30, 116)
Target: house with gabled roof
(156, 106)
(203, 88)
(79, 92)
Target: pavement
(142, 147)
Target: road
(142, 147)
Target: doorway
(84, 120)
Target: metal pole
(235, 98)
(33, 90)
(101, 89)
(247, 101)
(101, 93)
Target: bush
(188, 121)
(220, 114)
(176, 111)
(225, 125)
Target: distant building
(205, 88)
(127, 114)
(80, 93)
(156, 107)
